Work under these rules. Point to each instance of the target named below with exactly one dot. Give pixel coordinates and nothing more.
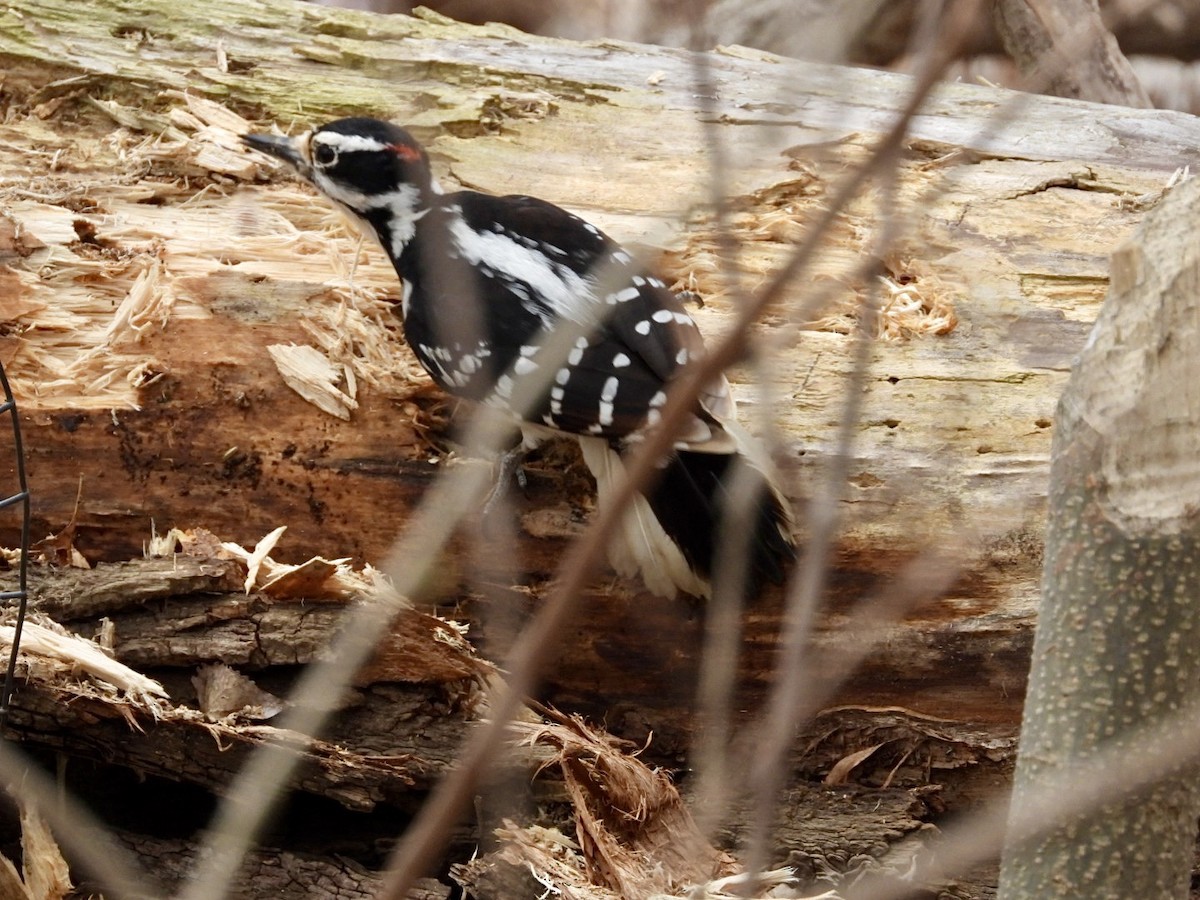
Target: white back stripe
(567, 293)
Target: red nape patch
(406, 152)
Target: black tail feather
(689, 500)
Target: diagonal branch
(449, 798)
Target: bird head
(361, 164)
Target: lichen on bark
(1116, 657)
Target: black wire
(22, 593)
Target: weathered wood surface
(399, 726)
(148, 268)
(185, 419)
(406, 710)
(171, 616)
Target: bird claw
(509, 466)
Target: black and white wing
(535, 266)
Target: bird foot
(509, 466)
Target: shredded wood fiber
(171, 227)
(91, 275)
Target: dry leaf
(840, 773)
(222, 691)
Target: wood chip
(14, 300)
(11, 885)
(306, 580)
(47, 876)
(259, 555)
(311, 374)
(80, 654)
(213, 113)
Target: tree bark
(1064, 47)
(1115, 654)
(399, 728)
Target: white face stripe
(401, 204)
(569, 294)
(401, 201)
(347, 143)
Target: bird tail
(670, 534)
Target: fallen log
(185, 723)
(157, 283)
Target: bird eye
(324, 155)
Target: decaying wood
(152, 271)
(405, 716)
(195, 340)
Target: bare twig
(723, 627)
(452, 793)
(793, 676)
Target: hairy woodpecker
(486, 278)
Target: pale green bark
(1117, 650)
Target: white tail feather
(641, 546)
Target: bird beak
(279, 147)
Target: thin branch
(794, 672)
(451, 795)
(723, 626)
